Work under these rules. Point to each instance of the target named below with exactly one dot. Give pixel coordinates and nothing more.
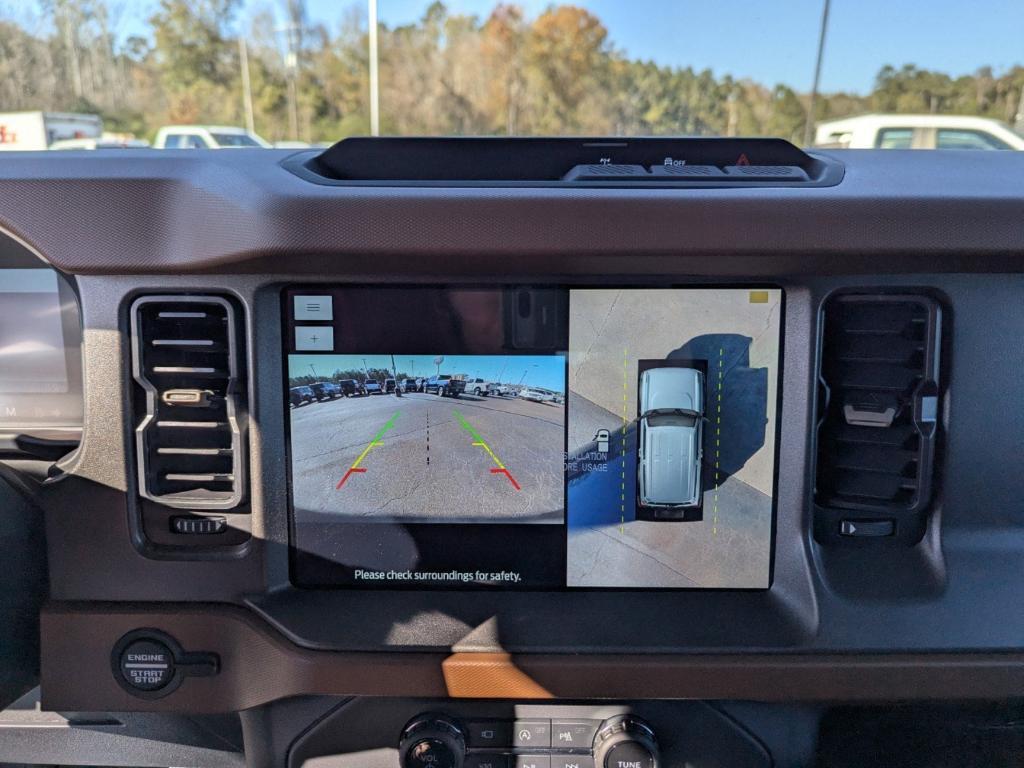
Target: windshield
(868, 74)
(673, 419)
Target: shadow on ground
(744, 393)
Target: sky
(546, 371)
(771, 41)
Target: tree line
(448, 73)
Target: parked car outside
(917, 132)
(207, 137)
(670, 440)
(372, 387)
(299, 396)
(389, 386)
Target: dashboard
(584, 463)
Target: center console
(651, 735)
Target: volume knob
(625, 742)
(432, 741)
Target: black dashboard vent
(879, 377)
(186, 358)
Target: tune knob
(625, 742)
(432, 741)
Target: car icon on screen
(670, 439)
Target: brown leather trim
(488, 676)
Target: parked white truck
(27, 131)
(917, 132)
(207, 137)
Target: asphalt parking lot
(612, 331)
(421, 458)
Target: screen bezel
(293, 551)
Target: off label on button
(147, 665)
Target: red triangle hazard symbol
(743, 160)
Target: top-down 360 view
(495, 385)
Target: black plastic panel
(22, 587)
(364, 732)
(597, 162)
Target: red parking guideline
(376, 441)
(503, 471)
(348, 475)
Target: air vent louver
(879, 373)
(185, 357)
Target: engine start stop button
(147, 665)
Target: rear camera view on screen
(671, 456)
(428, 438)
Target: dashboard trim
(259, 666)
(242, 211)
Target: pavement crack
(599, 334)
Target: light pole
(394, 373)
(523, 377)
(313, 370)
(809, 125)
(243, 57)
(374, 74)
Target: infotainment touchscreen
(532, 438)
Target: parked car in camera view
(389, 386)
(301, 395)
(326, 390)
(478, 387)
(444, 385)
(372, 387)
(537, 395)
(351, 388)
(670, 440)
